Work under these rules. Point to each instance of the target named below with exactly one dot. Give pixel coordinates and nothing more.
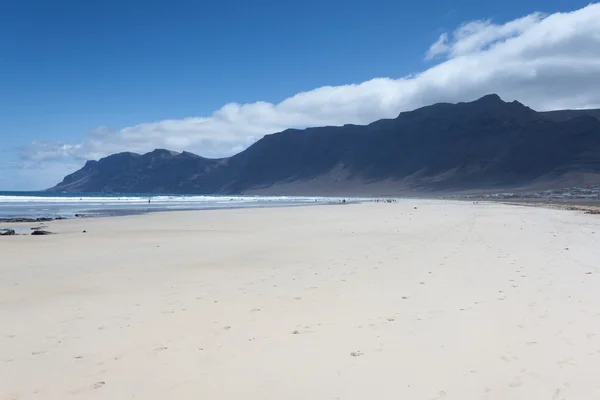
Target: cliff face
(481, 145)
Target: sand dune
(375, 301)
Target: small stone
(41, 233)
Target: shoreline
(584, 205)
(123, 209)
(120, 204)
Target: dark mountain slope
(565, 115)
(486, 144)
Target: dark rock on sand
(41, 219)
(19, 220)
(40, 233)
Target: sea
(70, 205)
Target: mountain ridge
(486, 144)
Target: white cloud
(441, 46)
(475, 36)
(546, 62)
(32, 175)
(43, 151)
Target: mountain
(484, 145)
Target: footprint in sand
(566, 362)
(516, 383)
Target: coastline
(45, 206)
(414, 299)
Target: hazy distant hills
(487, 144)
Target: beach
(419, 299)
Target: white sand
(448, 301)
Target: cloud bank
(545, 61)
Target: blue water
(48, 204)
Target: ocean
(68, 205)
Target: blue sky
(69, 67)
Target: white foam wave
(139, 199)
